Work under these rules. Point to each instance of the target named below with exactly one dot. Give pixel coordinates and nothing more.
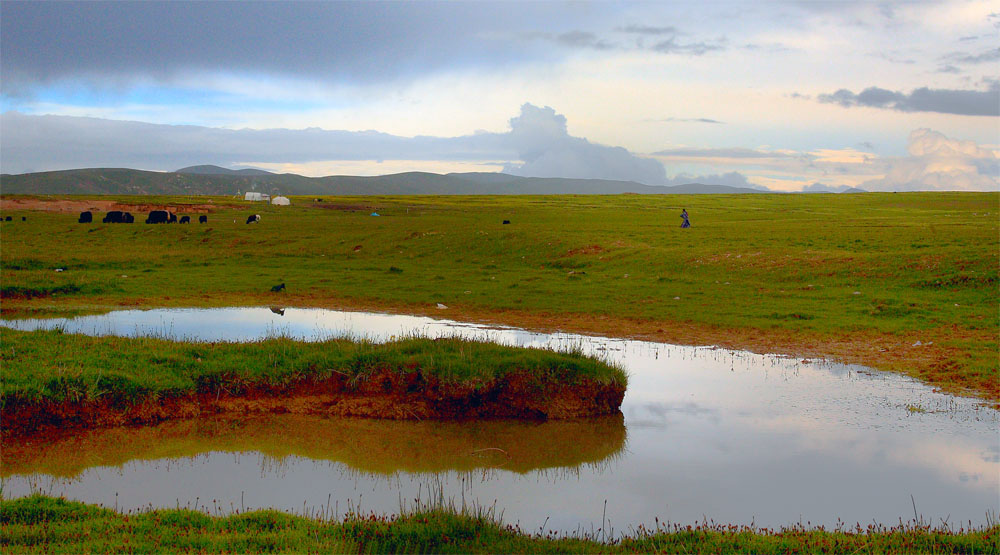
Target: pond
(706, 434)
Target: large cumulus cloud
(937, 162)
(545, 149)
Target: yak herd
(154, 217)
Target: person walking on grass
(684, 218)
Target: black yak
(254, 218)
(114, 217)
(86, 217)
(202, 219)
(158, 217)
(185, 219)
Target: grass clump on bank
(40, 523)
(56, 367)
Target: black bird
(278, 288)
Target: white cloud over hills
(537, 144)
(939, 163)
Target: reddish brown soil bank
(382, 395)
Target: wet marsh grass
(39, 523)
(53, 366)
(909, 266)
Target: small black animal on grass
(202, 219)
(86, 217)
(505, 222)
(254, 218)
(24, 218)
(278, 288)
(185, 219)
(8, 219)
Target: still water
(706, 434)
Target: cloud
(545, 149)
(936, 162)
(672, 46)
(537, 145)
(129, 43)
(691, 120)
(945, 101)
(987, 56)
(572, 39)
(648, 30)
(722, 153)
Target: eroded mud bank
(387, 395)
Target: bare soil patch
(343, 207)
(75, 206)
(588, 250)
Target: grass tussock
(52, 366)
(46, 524)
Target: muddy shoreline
(383, 395)
(932, 362)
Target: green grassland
(826, 274)
(44, 524)
(49, 366)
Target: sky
(789, 96)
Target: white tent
(251, 195)
(281, 201)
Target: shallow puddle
(707, 434)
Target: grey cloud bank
(361, 42)
(945, 101)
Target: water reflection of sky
(716, 434)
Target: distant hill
(702, 189)
(213, 180)
(854, 190)
(216, 170)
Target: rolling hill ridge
(215, 180)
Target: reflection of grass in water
(369, 446)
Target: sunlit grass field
(816, 271)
